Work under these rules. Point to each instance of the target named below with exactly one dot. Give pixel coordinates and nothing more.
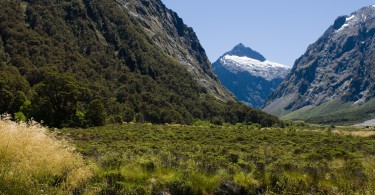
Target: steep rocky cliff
(176, 39)
(339, 66)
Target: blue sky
(281, 30)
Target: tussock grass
(32, 161)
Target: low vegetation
(198, 159)
(32, 161)
(241, 159)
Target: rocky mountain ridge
(177, 40)
(340, 66)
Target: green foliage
(128, 115)
(139, 118)
(202, 123)
(80, 119)
(57, 98)
(26, 109)
(235, 159)
(13, 89)
(96, 113)
(20, 117)
(118, 119)
(217, 121)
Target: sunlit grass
(32, 161)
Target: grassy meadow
(335, 112)
(198, 159)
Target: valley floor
(237, 159)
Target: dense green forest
(86, 63)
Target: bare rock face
(340, 65)
(177, 40)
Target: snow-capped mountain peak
(242, 51)
(266, 69)
(249, 75)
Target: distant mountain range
(334, 81)
(248, 75)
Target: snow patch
(267, 69)
(366, 123)
(350, 18)
(363, 99)
(348, 21)
(343, 26)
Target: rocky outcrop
(339, 65)
(177, 40)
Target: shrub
(128, 115)
(201, 123)
(117, 119)
(217, 121)
(19, 116)
(96, 113)
(139, 118)
(79, 119)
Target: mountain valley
(119, 97)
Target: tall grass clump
(32, 161)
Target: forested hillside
(85, 63)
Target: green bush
(19, 117)
(217, 121)
(128, 115)
(95, 114)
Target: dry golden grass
(33, 161)
(357, 133)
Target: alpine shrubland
(229, 159)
